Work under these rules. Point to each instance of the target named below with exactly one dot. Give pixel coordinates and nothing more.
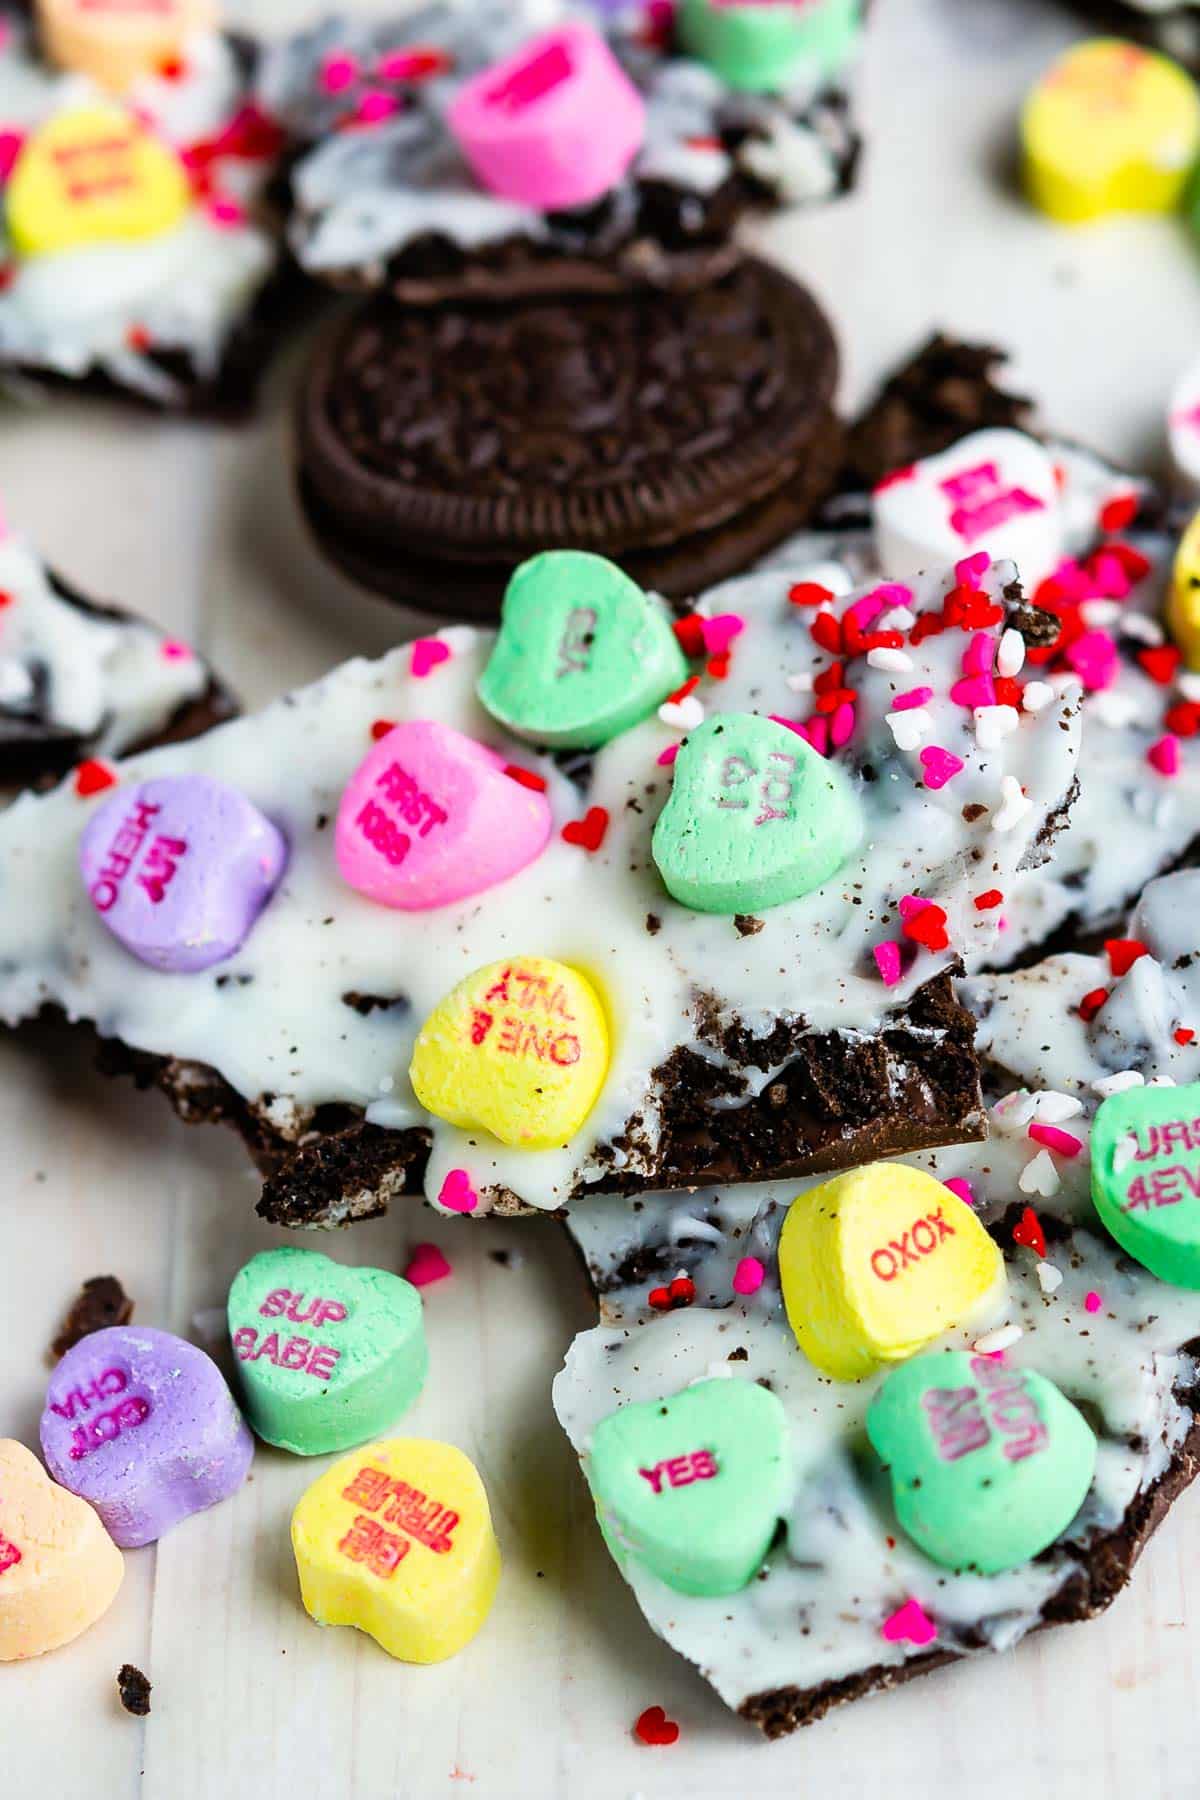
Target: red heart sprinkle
(1160, 663)
(1028, 1231)
(689, 632)
(526, 777)
(654, 1727)
(93, 777)
(1183, 718)
(1119, 512)
(682, 1291)
(927, 927)
(589, 831)
(1091, 1003)
(381, 727)
(1123, 953)
(809, 593)
(1184, 1034)
(826, 632)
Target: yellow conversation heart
(396, 1539)
(1183, 601)
(520, 1047)
(93, 175)
(877, 1263)
(115, 41)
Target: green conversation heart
(694, 1486)
(327, 1356)
(765, 47)
(988, 1463)
(755, 817)
(582, 653)
(1146, 1178)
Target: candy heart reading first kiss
(582, 653)
(397, 1540)
(765, 47)
(755, 817)
(694, 1486)
(95, 174)
(430, 817)
(988, 1464)
(115, 41)
(1146, 1177)
(59, 1569)
(142, 1425)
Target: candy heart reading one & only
(115, 41)
(765, 48)
(94, 174)
(59, 1569)
(1183, 599)
(1146, 1177)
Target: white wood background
(198, 529)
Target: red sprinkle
(1184, 1034)
(1091, 1003)
(1183, 718)
(527, 777)
(589, 831)
(681, 693)
(1122, 953)
(985, 902)
(1118, 513)
(381, 727)
(718, 666)
(927, 927)
(92, 777)
(1028, 1231)
(809, 593)
(689, 632)
(826, 632)
(654, 1727)
(1161, 661)
(682, 1291)
(138, 338)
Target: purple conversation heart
(179, 868)
(141, 1425)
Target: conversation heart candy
(1183, 598)
(1183, 429)
(694, 1485)
(1110, 128)
(115, 41)
(553, 126)
(994, 491)
(141, 1425)
(582, 653)
(989, 1464)
(1146, 1178)
(755, 817)
(94, 174)
(397, 1540)
(430, 817)
(59, 1569)
(179, 868)
(765, 45)
(520, 1047)
(878, 1262)
(327, 1356)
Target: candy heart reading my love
(95, 174)
(764, 45)
(1146, 1177)
(755, 817)
(397, 1540)
(327, 1356)
(582, 653)
(179, 868)
(1183, 600)
(141, 1425)
(430, 817)
(694, 1486)
(1110, 128)
(59, 1569)
(520, 1047)
(878, 1262)
(989, 1464)
(115, 41)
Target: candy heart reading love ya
(141, 1425)
(397, 1540)
(327, 1356)
(989, 1464)
(179, 868)
(755, 817)
(1109, 129)
(694, 1486)
(95, 174)
(582, 653)
(1183, 600)
(878, 1262)
(519, 1047)
(59, 1569)
(430, 817)
(1146, 1177)
(765, 45)
(115, 41)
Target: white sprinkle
(683, 714)
(801, 683)
(16, 683)
(1188, 684)
(1039, 1176)
(1112, 709)
(1003, 1338)
(1146, 631)
(895, 662)
(899, 619)
(1010, 656)
(832, 575)
(1052, 1108)
(1118, 1083)
(1017, 1109)
(458, 637)
(1050, 1279)
(716, 1371)
(1161, 1081)
(1013, 805)
(1100, 612)
(993, 724)
(386, 1083)
(1125, 1152)
(908, 728)
(1037, 696)
(1064, 679)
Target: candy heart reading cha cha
(755, 817)
(988, 1464)
(59, 1569)
(93, 175)
(582, 653)
(993, 491)
(766, 47)
(327, 1356)
(1146, 1178)
(115, 41)
(694, 1486)
(397, 1540)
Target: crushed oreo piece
(100, 1302)
(134, 1689)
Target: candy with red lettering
(59, 1569)
(115, 41)
(1183, 597)
(93, 174)
(766, 48)
(1146, 1177)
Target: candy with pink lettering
(1146, 1178)
(327, 1356)
(769, 45)
(989, 1464)
(1183, 428)
(141, 1424)
(179, 868)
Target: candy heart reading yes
(766, 45)
(327, 1356)
(694, 1486)
(1146, 1178)
(115, 41)
(519, 1047)
(755, 817)
(582, 653)
(397, 1540)
(179, 868)
(1183, 600)
(142, 1425)
(988, 1464)
(878, 1262)
(59, 1569)
(95, 174)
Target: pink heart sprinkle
(973, 691)
(426, 1265)
(223, 210)
(749, 1276)
(1063, 1141)
(912, 904)
(889, 960)
(891, 593)
(958, 1184)
(1108, 573)
(375, 107)
(1164, 755)
(666, 757)
(174, 650)
(940, 766)
(1094, 659)
(10, 149)
(427, 653)
(980, 654)
(338, 72)
(720, 632)
(971, 569)
(914, 697)
(909, 1624)
(1092, 1302)
(841, 726)
(457, 1194)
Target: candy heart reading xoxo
(59, 1569)
(993, 491)
(397, 1540)
(1146, 1178)
(93, 175)
(764, 45)
(115, 41)
(878, 1262)
(694, 1486)
(142, 1425)
(1183, 601)
(519, 1047)
(989, 1464)
(430, 817)
(582, 653)
(1110, 128)
(179, 868)
(755, 817)
(327, 1356)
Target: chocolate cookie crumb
(746, 925)
(134, 1690)
(653, 924)
(100, 1302)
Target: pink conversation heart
(457, 1194)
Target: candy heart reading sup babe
(59, 1569)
